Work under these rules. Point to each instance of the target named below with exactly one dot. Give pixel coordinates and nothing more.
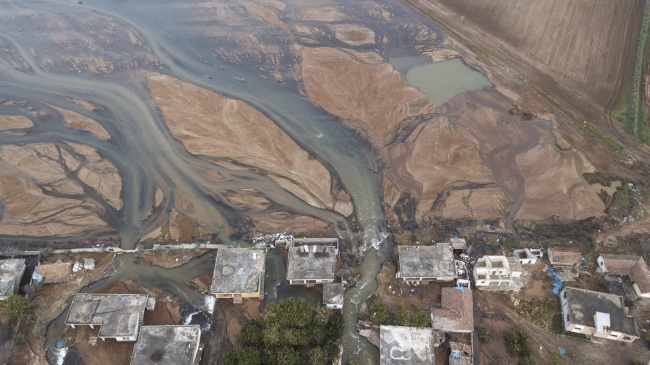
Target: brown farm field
(580, 53)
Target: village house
(627, 265)
(239, 273)
(495, 272)
(11, 272)
(312, 261)
(560, 256)
(168, 345)
(118, 316)
(597, 314)
(424, 264)
(456, 312)
(405, 346)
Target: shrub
(20, 338)
(421, 320)
(556, 360)
(230, 358)
(172, 251)
(402, 317)
(485, 335)
(527, 360)
(378, 314)
(46, 252)
(293, 312)
(16, 307)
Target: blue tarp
(461, 288)
(561, 350)
(60, 344)
(558, 282)
(37, 277)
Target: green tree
(485, 335)
(283, 355)
(527, 360)
(421, 320)
(230, 358)
(317, 356)
(16, 307)
(512, 339)
(402, 317)
(251, 334)
(292, 312)
(249, 356)
(378, 313)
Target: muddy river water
(178, 38)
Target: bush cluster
(517, 342)
(404, 318)
(293, 333)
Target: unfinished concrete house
(561, 256)
(627, 265)
(53, 273)
(424, 264)
(239, 273)
(525, 256)
(405, 345)
(11, 272)
(597, 314)
(118, 316)
(333, 295)
(168, 345)
(312, 261)
(456, 312)
(494, 273)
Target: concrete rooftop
(167, 345)
(320, 265)
(333, 293)
(406, 345)
(434, 261)
(11, 271)
(238, 270)
(118, 314)
(583, 305)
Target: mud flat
(220, 128)
(371, 98)
(52, 190)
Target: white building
(494, 273)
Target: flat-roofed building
(312, 261)
(333, 295)
(11, 272)
(239, 273)
(406, 345)
(597, 314)
(628, 265)
(562, 256)
(168, 345)
(426, 263)
(118, 316)
(456, 312)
